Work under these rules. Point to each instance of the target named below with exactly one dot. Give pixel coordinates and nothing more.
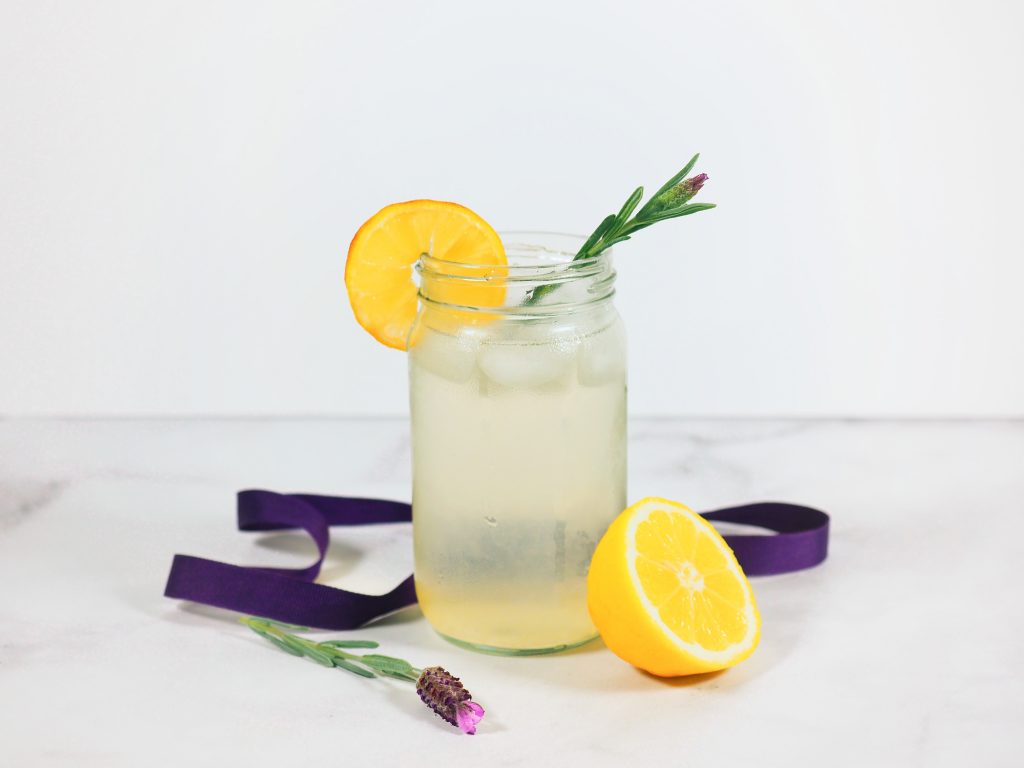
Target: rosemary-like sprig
(330, 653)
(671, 201)
(440, 690)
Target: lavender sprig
(671, 201)
(437, 688)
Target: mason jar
(518, 398)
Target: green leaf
(621, 222)
(351, 643)
(598, 233)
(296, 646)
(319, 656)
(387, 664)
(265, 633)
(348, 665)
(629, 206)
(615, 240)
(411, 676)
(283, 625)
(259, 630)
(284, 646)
(672, 213)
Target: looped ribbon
(291, 594)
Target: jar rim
(538, 263)
(530, 258)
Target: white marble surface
(903, 649)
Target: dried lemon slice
(383, 254)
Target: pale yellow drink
(519, 457)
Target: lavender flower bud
(682, 192)
(444, 694)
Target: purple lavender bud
(444, 694)
(693, 184)
(679, 195)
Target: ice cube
(451, 357)
(523, 366)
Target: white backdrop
(179, 182)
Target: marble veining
(18, 501)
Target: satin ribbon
(290, 594)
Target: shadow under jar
(518, 398)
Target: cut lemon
(667, 595)
(379, 270)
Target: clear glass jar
(518, 396)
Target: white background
(179, 182)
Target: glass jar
(518, 398)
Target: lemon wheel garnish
(667, 595)
(379, 271)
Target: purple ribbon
(290, 594)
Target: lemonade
(519, 457)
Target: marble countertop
(904, 648)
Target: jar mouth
(530, 256)
(541, 277)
